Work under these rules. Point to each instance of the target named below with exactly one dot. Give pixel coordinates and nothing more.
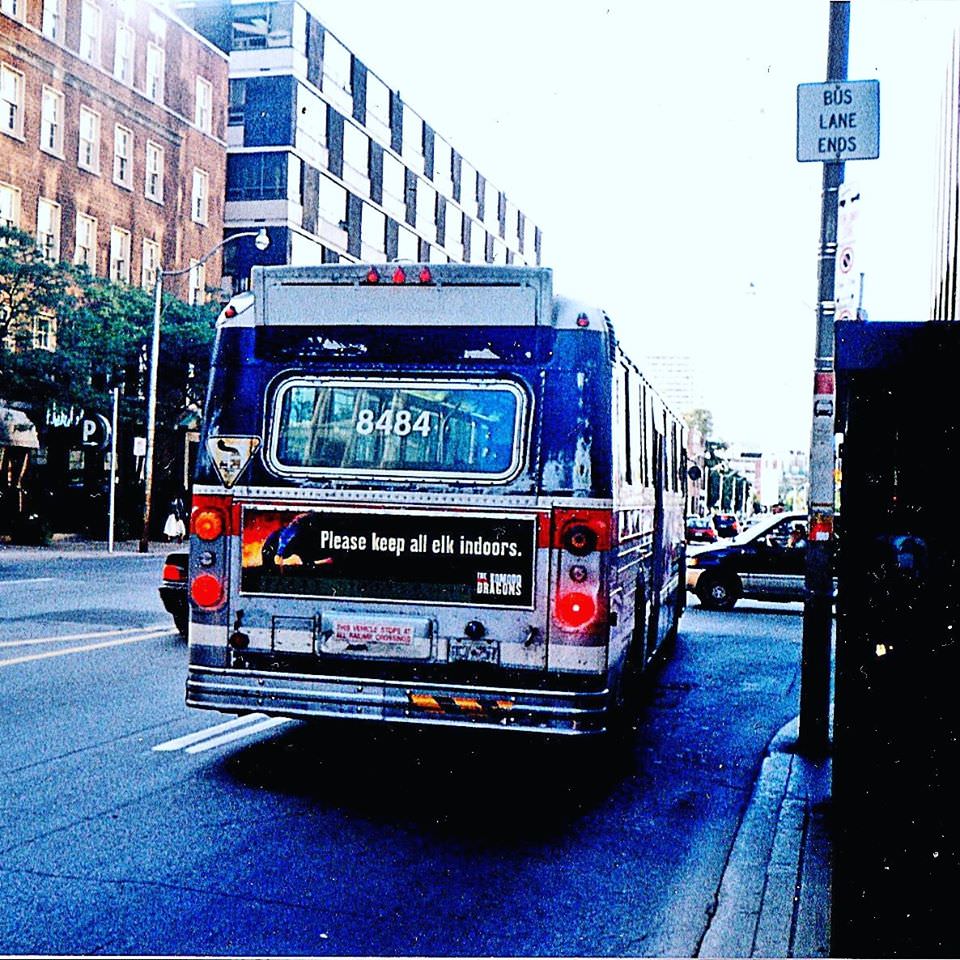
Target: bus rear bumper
(307, 696)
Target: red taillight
(373, 276)
(425, 275)
(206, 590)
(398, 275)
(172, 572)
(576, 609)
(582, 531)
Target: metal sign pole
(814, 738)
(113, 469)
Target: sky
(655, 145)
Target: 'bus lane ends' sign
(838, 121)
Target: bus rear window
(458, 430)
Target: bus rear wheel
(718, 593)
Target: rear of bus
(402, 504)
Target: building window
(356, 157)
(45, 332)
(407, 246)
(155, 67)
(123, 54)
(426, 210)
(199, 197)
(12, 8)
(442, 167)
(332, 203)
(48, 229)
(52, 22)
(412, 138)
(90, 32)
(149, 264)
(257, 25)
(198, 282)
(88, 152)
(393, 185)
(203, 112)
(85, 251)
(256, 176)
(153, 184)
(9, 206)
(373, 230)
(378, 100)
(336, 63)
(119, 255)
(238, 100)
(11, 101)
(51, 121)
(122, 156)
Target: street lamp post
(261, 241)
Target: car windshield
(763, 526)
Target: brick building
(113, 138)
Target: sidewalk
(77, 545)
(774, 896)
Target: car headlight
(693, 561)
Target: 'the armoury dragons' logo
(230, 455)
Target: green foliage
(702, 420)
(103, 334)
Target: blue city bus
(432, 494)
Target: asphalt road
(123, 833)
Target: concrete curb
(75, 547)
(774, 896)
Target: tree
(33, 292)
(102, 339)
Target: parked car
(726, 524)
(173, 589)
(701, 530)
(765, 562)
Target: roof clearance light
(373, 276)
(583, 320)
(230, 312)
(399, 276)
(425, 275)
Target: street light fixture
(261, 242)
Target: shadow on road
(453, 781)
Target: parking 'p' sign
(838, 121)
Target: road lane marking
(7, 583)
(265, 724)
(153, 635)
(192, 738)
(92, 635)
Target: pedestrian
(175, 528)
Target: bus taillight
(575, 609)
(206, 590)
(212, 517)
(582, 531)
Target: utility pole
(814, 739)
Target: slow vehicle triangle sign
(230, 455)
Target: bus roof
(407, 294)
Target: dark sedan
(173, 589)
(764, 563)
